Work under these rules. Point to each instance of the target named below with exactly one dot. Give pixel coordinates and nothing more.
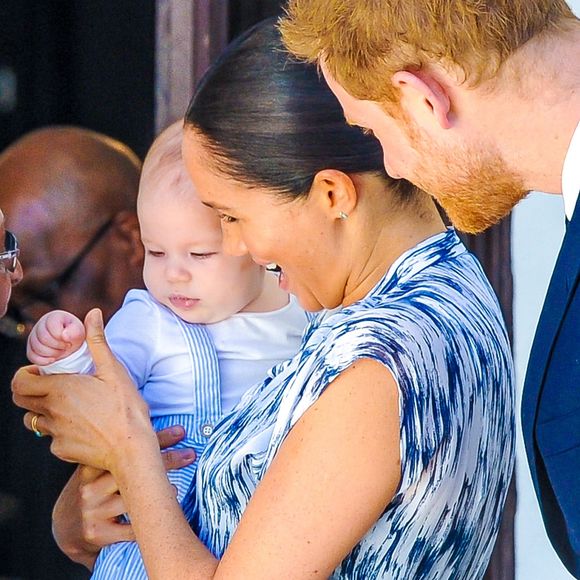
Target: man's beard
(474, 186)
(478, 195)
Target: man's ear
(335, 192)
(126, 227)
(424, 97)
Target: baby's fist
(55, 336)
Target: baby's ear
(128, 237)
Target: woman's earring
(342, 215)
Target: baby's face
(185, 267)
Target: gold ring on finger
(34, 426)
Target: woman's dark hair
(272, 122)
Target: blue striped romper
(190, 374)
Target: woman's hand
(55, 336)
(85, 517)
(93, 420)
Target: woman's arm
(331, 479)
(101, 421)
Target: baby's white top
(146, 338)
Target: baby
(207, 328)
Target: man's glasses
(9, 258)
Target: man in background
(69, 196)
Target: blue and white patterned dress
(435, 323)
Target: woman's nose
(233, 243)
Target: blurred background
(90, 63)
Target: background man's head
(69, 195)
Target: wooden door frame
(189, 35)
(493, 249)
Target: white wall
(537, 232)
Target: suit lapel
(557, 298)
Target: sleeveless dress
(434, 322)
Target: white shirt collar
(571, 174)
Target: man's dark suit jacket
(551, 404)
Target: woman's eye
(155, 254)
(227, 219)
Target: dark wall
(29, 55)
(84, 63)
(113, 68)
(89, 63)
(245, 13)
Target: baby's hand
(55, 336)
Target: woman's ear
(423, 97)
(335, 192)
